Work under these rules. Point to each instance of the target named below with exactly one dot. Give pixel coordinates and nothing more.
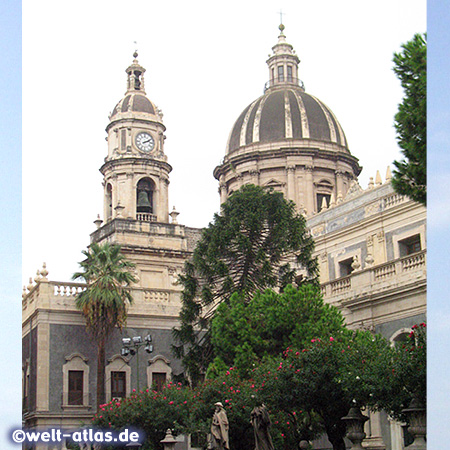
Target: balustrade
(145, 217)
(383, 272)
(341, 285)
(377, 274)
(413, 262)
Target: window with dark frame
(409, 245)
(118, 384)
(320, 198)
(159, 379)
(75, 394)
(289, 73)
(280, 73)
(345, 267)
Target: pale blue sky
(438, 221)
(439, 217)
(10, 216)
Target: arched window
(145, 200)
(324, 190)
(75, 381)
(159, 372)
(108, 202)
(117, 378)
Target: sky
(205, 63)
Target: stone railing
(393, 200)
(67, 289)
(57, 296)
(376, 275)
(146, 217)
(340, 286)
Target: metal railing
(288, 81)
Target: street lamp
(131, 346)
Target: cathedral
(370, 243)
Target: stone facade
(370, 244)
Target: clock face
(145, 142)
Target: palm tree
(107, 274)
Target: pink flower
(171, 403)
(331, 339)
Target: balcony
(399, 272)
(284, 81)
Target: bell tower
(136, 172)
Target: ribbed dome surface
(134, 103)
(285, 114)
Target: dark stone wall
(29, 352)
(68, 339)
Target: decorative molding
(76, 355)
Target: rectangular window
(280, 73)
(320, 198)
(75, 387)
(159, 379)
(118, 384)
(123, 139)
(345, 267)
(289, 73)
(409, 245)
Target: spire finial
(135, 54)
(281, 26)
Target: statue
(260, 421)
(219, 428)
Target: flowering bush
(149, 411)
(409, 372)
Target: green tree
(410, 176)
(325, 378)
(408, 378)
(245, 333)
(250, 246)
(104, 302)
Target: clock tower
(136, 172)
(136, 214)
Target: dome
(135, 99)
(134, 102)
(286, 113)
(288, 140)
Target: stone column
(254, 174)
(290, 191)
(130, 211)
(309, 190)
(340, 183)
(222, 192)
(164, 200)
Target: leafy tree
(244, 333)
(410, 176)
(250, 246)
(326, 378)
(408, 379)
(104, 302)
